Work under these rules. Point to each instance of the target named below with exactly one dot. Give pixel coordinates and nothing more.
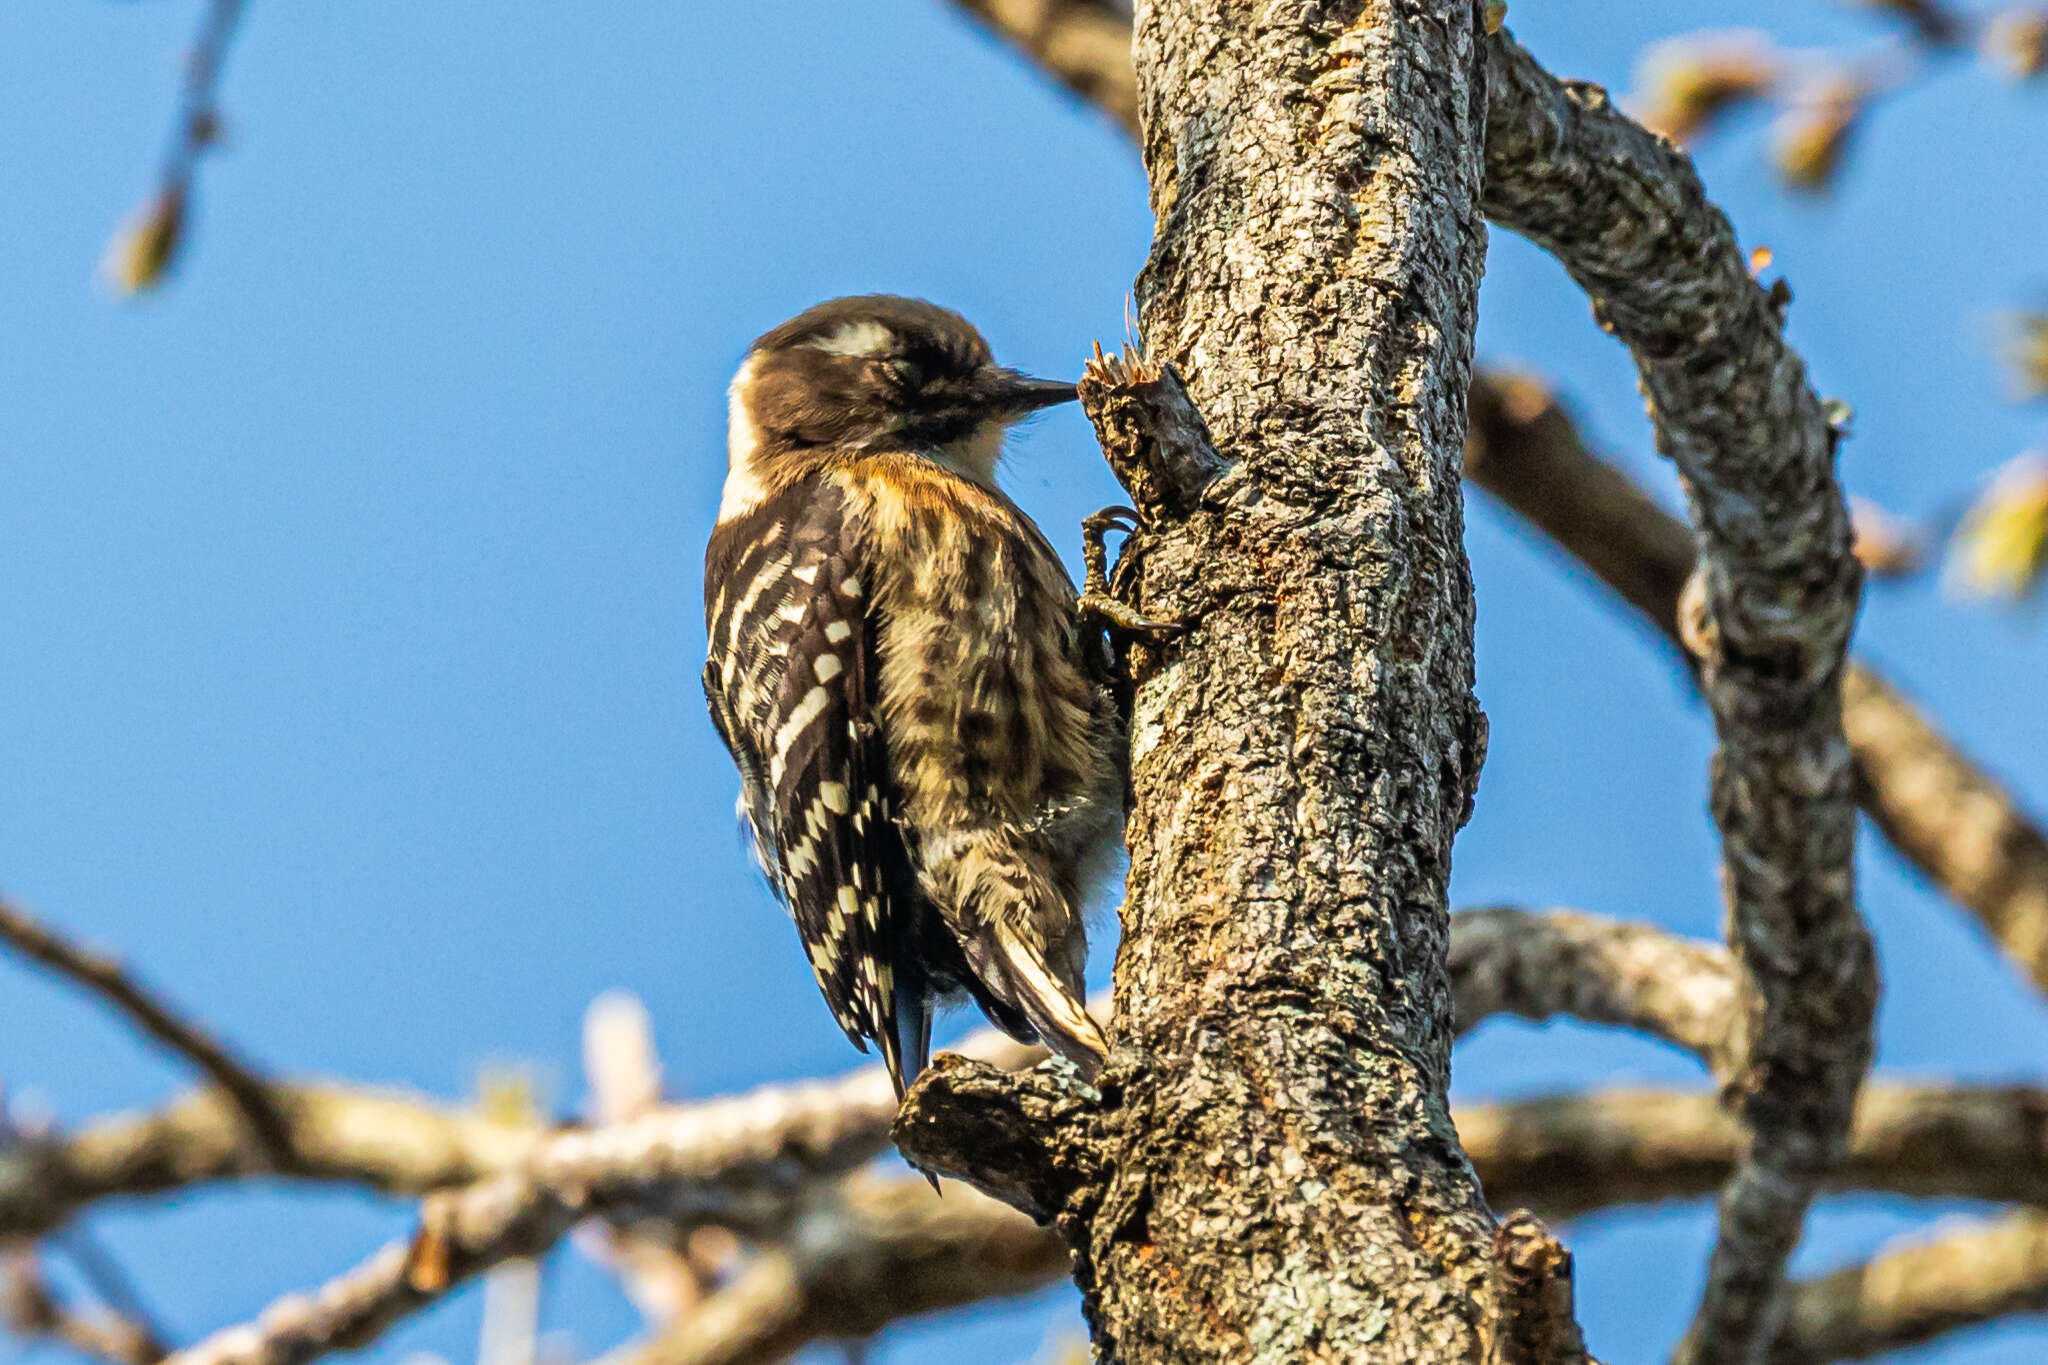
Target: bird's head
(878, 373)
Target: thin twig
(253, 1096)
(30, 1308)
(147, 247)
(111, 1283)
(198, 124)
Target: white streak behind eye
(857, 339)
(744, 489)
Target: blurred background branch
(805, 1253)
(148, 247)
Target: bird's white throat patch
(975, 455)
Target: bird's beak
(1010, 395)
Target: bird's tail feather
(1015, 969)
(912, 1045)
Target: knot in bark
(1027, 1138)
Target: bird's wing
(792, 685)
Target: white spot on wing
(809, 709)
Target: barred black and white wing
(791, 683)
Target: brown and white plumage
(929, 761)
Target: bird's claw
(1098, 604)
(1110, 614)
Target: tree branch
(1525, 449)
(388, 1141)
(693, 1161)
(1533, 1316)
(1938, 808)
(147, 247)
(1563, 1156)
(1918, 1290)
(983, 1250)
(1776, 586)
(867, 1251)
(1560, 962)
(767, 1140)
(1569, 1155)
(1083, 44)
(1536, 965)
(462, 1234)
(30, 1308)
(253, 1096)
(1029, 1140)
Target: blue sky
(350, 588)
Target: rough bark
(1270, 1172)
(1776, 587)
(1284, 1182)
(1773, 595)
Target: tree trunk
(1271, 1173)
(1287, 1185)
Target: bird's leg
(1099, 605)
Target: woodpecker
(930, 757)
